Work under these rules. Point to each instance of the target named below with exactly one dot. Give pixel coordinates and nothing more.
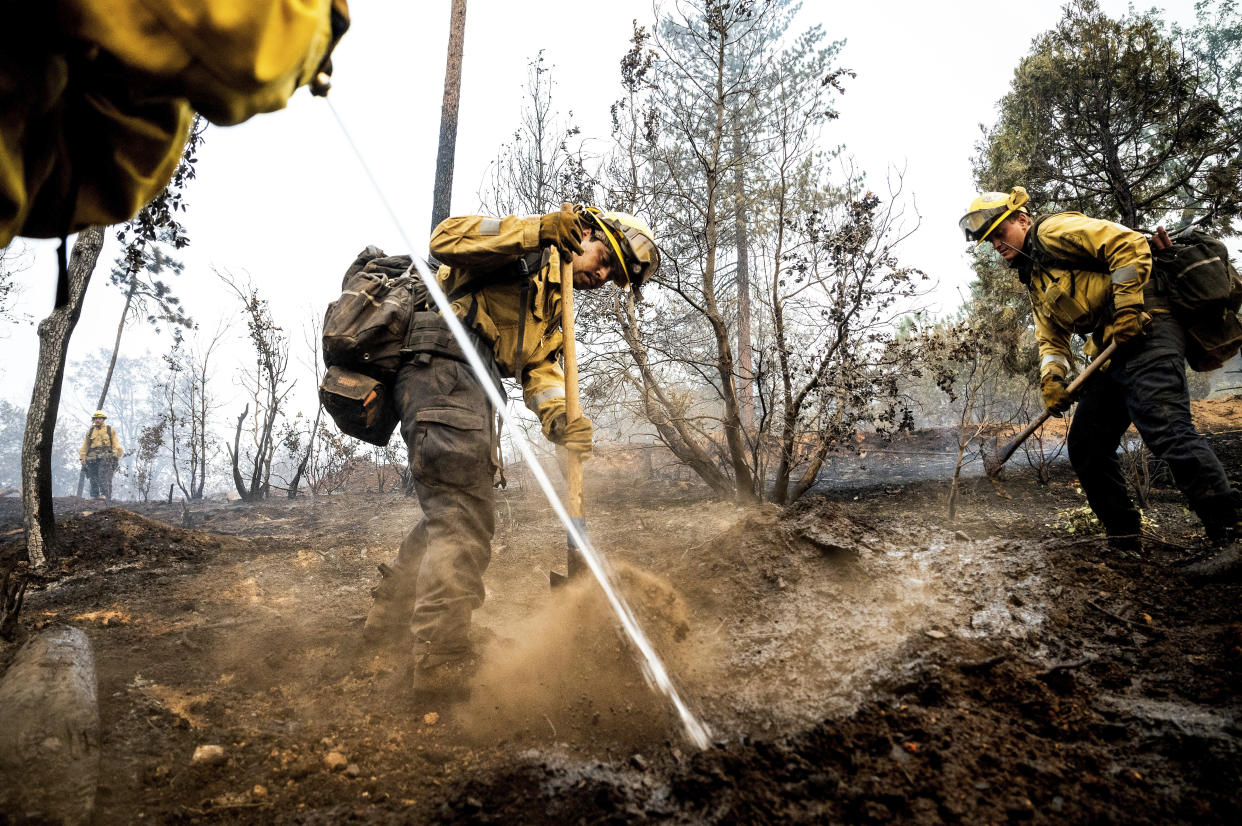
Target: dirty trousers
(446, 423)
(1145, 385)
(99, 474)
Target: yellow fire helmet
(99, 414)
(631, 241)
(988, 210)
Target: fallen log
(49, 741)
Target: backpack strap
(1050, 261)
(520, 269)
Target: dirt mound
(116, 535)
(1217, 415)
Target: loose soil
(857, 657)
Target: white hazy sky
(283, 198)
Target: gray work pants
(446, 421)
(99, 472)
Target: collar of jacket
(1024, 261)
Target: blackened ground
(859, 658)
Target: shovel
(994, 467)
(573, 411)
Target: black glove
(1056, 397)
(561, 229)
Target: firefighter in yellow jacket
(100, 452)
(1094, 278)
(500, 275)
(97, 96)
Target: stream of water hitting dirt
(653, 667)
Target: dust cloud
(568, 674)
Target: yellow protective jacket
(97, 96)
(1073, 300)
(470, 247)
(99, 439)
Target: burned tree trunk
(448, 115)
(54, 334)
(306, 457)
(238, 481)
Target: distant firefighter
(100, 452)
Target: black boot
(1224, 565)
(1222, 521)
(391, 609)
(1125, 532)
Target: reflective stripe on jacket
(470, 247)
(1068, 301)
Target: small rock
(639, 762)
(335, 761)
(934, 634)
(208, 755)
(431, 718)
(353, 770)
(961, 536)
(259, 791)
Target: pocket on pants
(452, 446)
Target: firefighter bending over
(500, 275)
(1093, 278)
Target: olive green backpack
(363, 332)
(1204, 292)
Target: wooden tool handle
(995, 466)
(573, 408)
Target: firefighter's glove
(561, 229)
(576, 435)
(1056, 397)
(1128, 324)
(339, 16)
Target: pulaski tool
(994, 467)
(573, 410)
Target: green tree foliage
(1216, 42)
(1117, 119)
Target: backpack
(367, 333)
(363, 333)
(365, 328)
(360, 405)
(1197, 282)
(1204, 292)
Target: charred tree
(54, 334)
(238, 482)
(448, 115)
